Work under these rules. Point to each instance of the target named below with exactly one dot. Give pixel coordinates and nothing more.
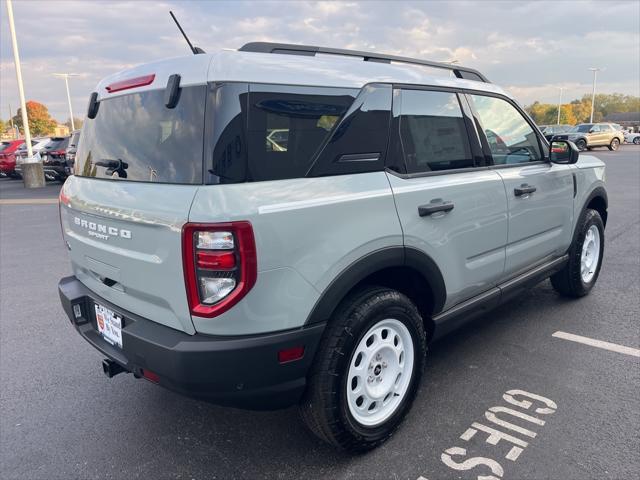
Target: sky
(531, 48)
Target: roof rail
(309, 50)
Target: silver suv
(286, 225)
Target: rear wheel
(581, 144)
(367, 370)
(580, 274)
(615, 143)
(636, 141)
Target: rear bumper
(242, 372)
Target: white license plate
(109, 325)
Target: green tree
(77, 123)
(40, 122)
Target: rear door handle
(433, 207)
(524, 189)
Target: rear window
(135, 137)
(57, 143)
(4, 145)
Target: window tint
(287, 127)
(57, 143)
(136, 137)
(359, 142)
(226, 127)
(433, 134)
(511, 138)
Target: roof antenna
(195, 50)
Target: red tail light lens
(220, 265)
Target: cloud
(529, 47)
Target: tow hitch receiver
(111, 368)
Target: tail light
(220, 265)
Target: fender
(599, 191)
(371, 263)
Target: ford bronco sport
(286, 225)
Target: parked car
(37, 147)
(54, 158)
(71, 151)
(8, 157)
(632, 137)
(589, 135)
(314, 273)
(549, 131)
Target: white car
(632, 137)
(37, 146)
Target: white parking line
(634, 352)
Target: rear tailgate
(125, 244)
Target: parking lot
(62, 418)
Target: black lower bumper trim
(242, 372)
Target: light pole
(593, 91)
(559, 104)
(32, 173)
(66, 82)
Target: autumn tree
(40, 122)
(77, 123)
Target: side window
(225, 125)
(359, 142)
(595, 129)
(432, 131)
(510, 137)
(288, 125)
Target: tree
(77, 123)
(40, 122)
(3, 126)
(579, 110)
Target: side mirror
(592, 130)
(563, 151)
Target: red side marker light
(290, 354)
(149, 375)
(131, 83)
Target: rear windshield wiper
(114, 166)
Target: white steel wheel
(380, 372)
(590, 254)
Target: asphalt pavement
(61, 418)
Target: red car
(8, 157)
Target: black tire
(324, 408)
(636, 141)
(614, 145)
(581, 144)
(568, 281)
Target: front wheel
(367, 370)
(615, 143)
(579, 276)
(636, 141)
(581, 144)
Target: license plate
(109, 325)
